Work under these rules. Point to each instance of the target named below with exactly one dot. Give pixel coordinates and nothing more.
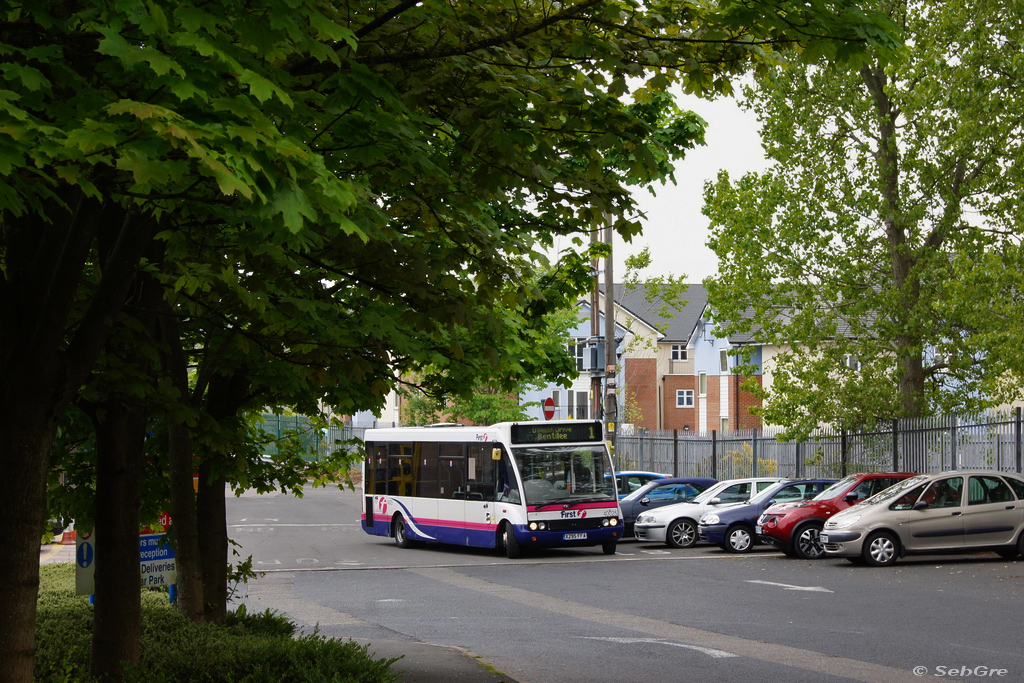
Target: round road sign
(549, 408)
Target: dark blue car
(659, 492)
(732, 528)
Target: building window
(702, 382)
(851, 362)
(723, 361)
(684, 398)
(725, 424)
(678, 352)
(582, 405)
(576, 350)
(580, 408)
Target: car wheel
(682, 533)
(511, 543)
(806, 542)
(881, 549)
(738, 539)
(608, 548)
(401, 533)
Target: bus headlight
(538, 526)
(610, 521)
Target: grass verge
(249, 648)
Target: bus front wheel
(608, 547)
(511, 542)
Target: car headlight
(645, 519)
(709, 519)
(844, 522)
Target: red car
(794, 527)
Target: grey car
(932, 513)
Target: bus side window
(427, 484)
(451, 472)
(480, 472)
(380, 468)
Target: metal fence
(987, 441)
(314, 443)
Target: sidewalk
(419, 663)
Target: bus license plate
(574, 537)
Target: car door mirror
(645, 501)
(850, 497)
(715, 501)
(920, 505)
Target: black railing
(987, 441)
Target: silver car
(676, 525)
(932, 513)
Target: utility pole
(610, 408)
(595, 333)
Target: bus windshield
(565, 474)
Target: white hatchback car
(676, 525)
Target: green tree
(439, 146)
(539, 357)
(850, 253)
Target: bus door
(375, 479)
(427, 491)
(451, 494)
(480, 485)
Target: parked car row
(873, 518)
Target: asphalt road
(648, 613)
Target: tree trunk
(225, 397)
(24, 460)
(907, 344)
(120, 433)
(40, 372)
(181, 458)
(213, 542)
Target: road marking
(812, 589)
(717, 654)
(808, 660)
(52, 550)
(269, 562)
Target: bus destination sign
(545, 432)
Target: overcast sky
(676, 232)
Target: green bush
(248, 648)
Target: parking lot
(647, 612)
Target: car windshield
(837, 488)
(642, 491)
(895, 490)
(767, 494)
(710, 493)
(565, 474)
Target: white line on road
(775, 653)
(811, 589)
(711, 652)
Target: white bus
(514, 485)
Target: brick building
(675, 373)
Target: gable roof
(678, 323)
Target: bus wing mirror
(495, 454)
